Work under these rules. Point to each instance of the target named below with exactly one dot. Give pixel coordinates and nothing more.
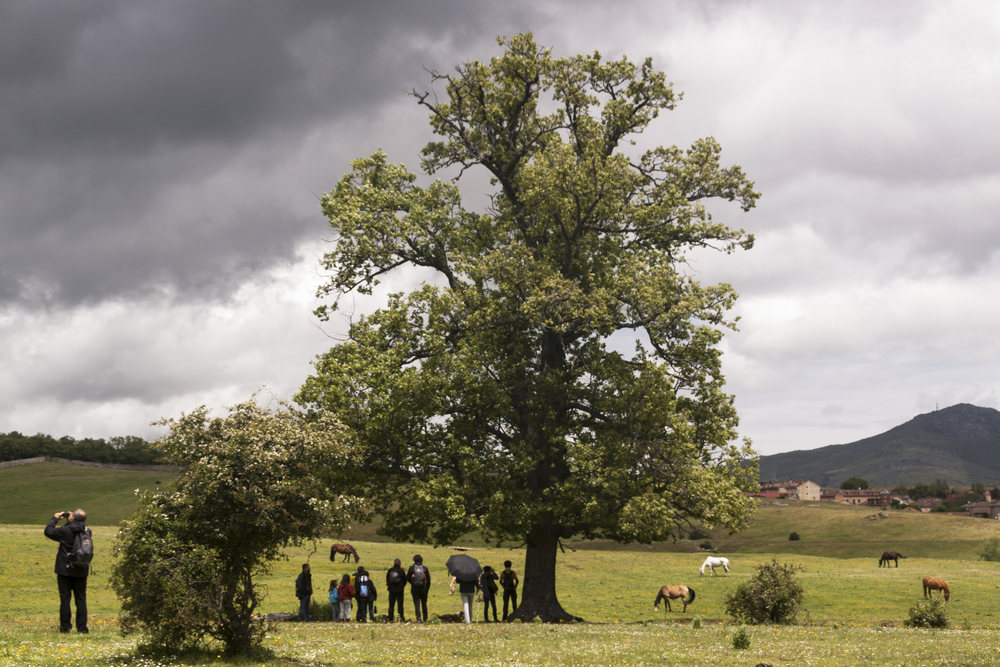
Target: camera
(65, 515)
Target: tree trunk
(538, 594)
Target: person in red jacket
(346, 592)
(72, 579)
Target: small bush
(991, 550)
(698, 534)
(696, 624)
(706, 545)
(933, 614)
(772, 595)
(794, 537)
(741, 638)
(320, 609)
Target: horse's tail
(691, 591)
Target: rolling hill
(960, 444)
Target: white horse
(713, 562)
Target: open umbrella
(464, 567)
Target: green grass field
(32, 494)
(853, 610)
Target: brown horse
(888, 556)
(345, 549)
(936, 585)
(669, 593)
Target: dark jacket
(304, 585)
(65, 536)
(427, 576)
(486, 584)
(395, 588)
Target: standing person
(467, 589)
(395, 583)
(365, 595)
(420, 582)
(72, 579)
(508, 582)
(346, 593)
(304, 591)
(487, 584)
(334, 601)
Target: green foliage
(130, 449)
(189, 558)
(706, 545)
(696, 623)
(698, 534)
(854, 483)
(932, 614)
(771, 595)
(741, 638)
(991, 550)
(492, 399)
(793, 537)
(938, 489)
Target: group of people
(359, 590)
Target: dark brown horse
(888, 556)
(669, 593)
(936, 585)
(345, 549)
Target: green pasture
(31, 494)
(853, 610)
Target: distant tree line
(127, 449)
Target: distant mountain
(960, 444)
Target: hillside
(960, 444)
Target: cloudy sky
(161, 164)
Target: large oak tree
(561, 376)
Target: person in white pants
(467, 589)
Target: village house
(791, 490)
(925, 504)
(869, 497)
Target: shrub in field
(705, 545)
(696, 624)
(698, 534)
(772, 595)
(794, 537)
(189, 559)
(991, 550)
(741, 638)
(933, 614)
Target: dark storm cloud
(117, 117)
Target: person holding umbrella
(465, 572)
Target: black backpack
(83, 549)
(419, 577)
(395, 576)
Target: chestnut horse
(936, 585)
(345, 549)
(888, 556)
(669, 593)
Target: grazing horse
(345, 549)
(713, 562)
(669, 593)
(888, 556)
(936, 585)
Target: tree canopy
(560, 375)
(854, 483)
(252, 483)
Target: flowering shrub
(253, 483)
(933, 614)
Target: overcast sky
(161, 164)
